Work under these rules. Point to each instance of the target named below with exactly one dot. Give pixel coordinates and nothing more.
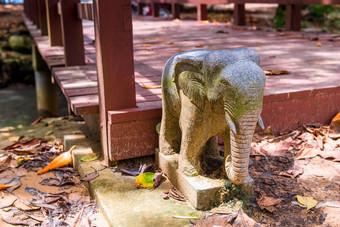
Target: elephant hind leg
(170, 135)
(211, 149)
(211, 160)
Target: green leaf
(90, 157)
(145, 180)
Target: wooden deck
(310, 93)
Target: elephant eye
(224, 82)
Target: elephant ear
(186, 71)
(192, 86)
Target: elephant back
(218, 60)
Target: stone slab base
(202, 192)
(121, 203)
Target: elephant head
(231, 83)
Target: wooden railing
(61, 20)
(114, 47)
(293, 8)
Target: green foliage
(333, 21)
(318, 13)
(325, 16)
(279, 18)
(5, 47)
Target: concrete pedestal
(202, 192)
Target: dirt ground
(285, 174)
(51, 130)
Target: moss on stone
(21, 44)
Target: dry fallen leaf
(155, 38)
(36, 121)
(238, 28)
(14, 138)
(272, 72)
(173, 193)
(268, 203)
(294, 172)
(4, 186)
(149, 87)
(91, 176)
(277, 149)
(329, 144)
(146, 45)
(10, 221)
(62, 160)
(309, 202)
(307, 152)
(335, 123)
(331, 154)
(217, 220)
(222, 32)
(319, 44)
(204, 21)
(199, 46)
(243, 220)
(90, 157)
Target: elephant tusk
(260, 123)
(230, 123)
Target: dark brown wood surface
(115, 64)
(155, 9)
(53, 23)
(42, 17)
(202, 12)
(293, 17)
(175, 7)
(72, 33)
(239, 14)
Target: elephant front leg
(170, 134)
(194, 138)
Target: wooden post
(72, 33)
(176, 11)
(38, 20)
(155, 9)
(46, 91)
(115, 64)
(42, 17)
(239, 14)
(25, 8)
(293, 17)
(140, 8)
(53, 23)
(29, 9)
(202, 12)
(34, 11)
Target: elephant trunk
(240, 144)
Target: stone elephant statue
(208, 93)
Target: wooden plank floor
(312, 59)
